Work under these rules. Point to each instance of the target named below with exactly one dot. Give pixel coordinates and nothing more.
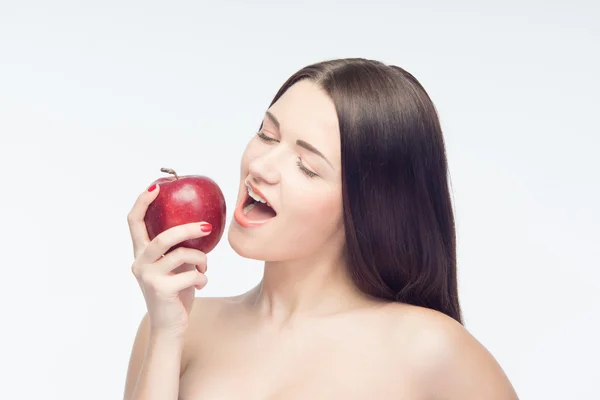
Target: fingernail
(206, 227)
(151, 188)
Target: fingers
(180, 281)
(182, 261)
(171, 285)
(135, 219)
(179, 257)
(169, 238)
(185, 280)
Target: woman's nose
(264, 169)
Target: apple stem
(169, 171)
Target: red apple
(186, 199)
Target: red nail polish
(151, 188)
(206, 227)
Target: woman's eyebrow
(300, 143)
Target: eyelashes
(265, 137)
(308, 172)
(301, 166)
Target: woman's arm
(154, 366)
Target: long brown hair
(399, 222)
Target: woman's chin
(245, 245)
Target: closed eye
(306, 171)
(301, 166)
(265, 137)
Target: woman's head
(294, 161)
(380, 196)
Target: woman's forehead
(305, 112)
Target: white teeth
(256, 196)
(249, 207)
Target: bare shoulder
(450, 361)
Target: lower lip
(243, 220)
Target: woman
(355, 225)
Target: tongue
(260, 212)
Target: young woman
(344, 194)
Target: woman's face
(303, 187)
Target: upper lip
(258, 192)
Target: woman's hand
(167, 280)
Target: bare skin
(376, 350)
(306, 331)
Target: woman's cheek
(322, 206)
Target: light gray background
(95, 97)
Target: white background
(96, 97)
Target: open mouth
(254, 210)
(257, 210)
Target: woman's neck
(317, 286)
